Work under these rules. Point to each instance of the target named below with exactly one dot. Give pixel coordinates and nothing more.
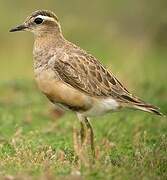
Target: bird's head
(40, 22)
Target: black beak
(18, 28)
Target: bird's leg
(82, 132)
(86, 140)
(80, 144)
(90, 135)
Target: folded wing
(85, 73)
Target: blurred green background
(129, 36)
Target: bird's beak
(19, 28)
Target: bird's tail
(148, 108)
(136, 103)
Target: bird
(72, 78)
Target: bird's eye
(38, 20)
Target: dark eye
(38, 20)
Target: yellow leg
(86, 135)
(91, 135)
(82, 132)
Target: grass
(33, 144)
(130, 144)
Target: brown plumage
(72, 78)
(85, 73)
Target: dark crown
(44, 13)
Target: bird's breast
(58, 91)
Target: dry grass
(128, 145)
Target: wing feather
(85, 73)
(88, 75)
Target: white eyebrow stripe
(45, 18)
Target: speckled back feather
(85, 73)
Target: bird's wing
(86, 74)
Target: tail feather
(148, 108)
(137, 103)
